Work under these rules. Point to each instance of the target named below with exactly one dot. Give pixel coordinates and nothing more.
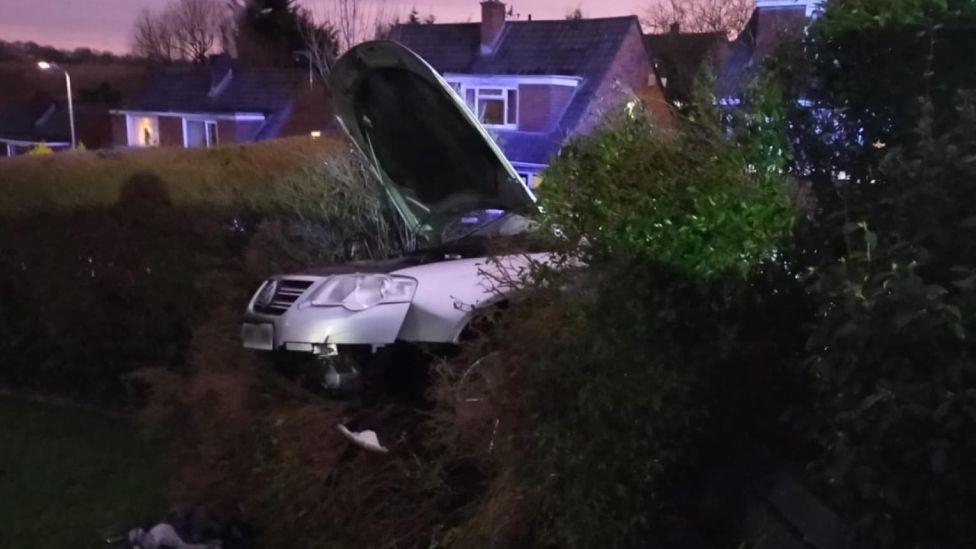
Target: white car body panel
(447, 296)
(448, 293)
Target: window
(530, 179)
(199, 133)
(211, 133)
(143, 131)
(492, 106)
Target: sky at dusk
(106, 24)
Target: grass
(72, 479)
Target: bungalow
(46, 122)
(223, 103)
(534, 84)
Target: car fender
(449, 292)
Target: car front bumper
(315, 329)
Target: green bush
(40, 149)
(889, 257)
(607, 378)
(891, 354)
(692, 199)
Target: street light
(44, 66)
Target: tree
(728, 16)
(184, 30)
(321, 41)
(356, 21)
(414, 18)
(197, 26)
(153, 38)
(269, 32)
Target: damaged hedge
(606, 380)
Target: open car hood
(432, 155)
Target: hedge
(105, 254)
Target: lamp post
(44, 66)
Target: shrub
(693, 200)
(40, 150)
(604, 381)
(889, 260)
(891, 353)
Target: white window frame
(216, 134)
(461, 83)
(207, 122)
(492, 93)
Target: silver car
(455, 191)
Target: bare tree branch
(357, 21)
(321, 43)
(198, 25)
(184, 30)
(154, 39)
(729, 16)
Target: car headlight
(358, 292)
(266, 293)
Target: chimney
(492, 21)
(675, 28)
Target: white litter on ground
(367, 440)
(163, 536)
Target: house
(46, 122)
(223, 103)
(679, 57)
(534, 84)
(772, 22)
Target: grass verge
(71, 478)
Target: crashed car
(454, 190)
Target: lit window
(530, 179)
(143, 131)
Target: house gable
(557, 69)
(679, 58)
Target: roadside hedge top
(223, 176)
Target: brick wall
(170, 131)
(120, 131)
(629, 74)
(231, 131)
(541, 105)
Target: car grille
(286, 294)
